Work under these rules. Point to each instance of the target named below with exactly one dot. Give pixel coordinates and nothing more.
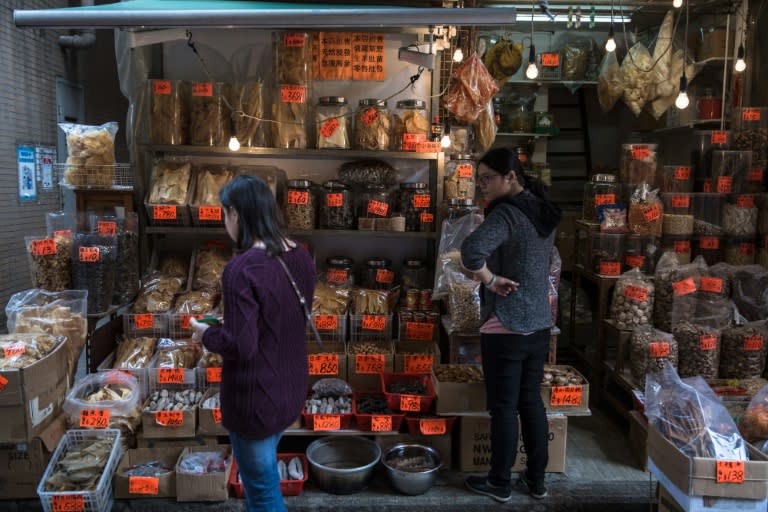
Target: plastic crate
(370, 328)
(96, 177)
(345, 420)
(151, 325)
(168, 214)
(396, 401)
(97, 500)
(329, 327)
(364, 420)
(287, 487)
(415, 426)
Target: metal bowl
(412, 481)
(343, 465)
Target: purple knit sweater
(263, 342)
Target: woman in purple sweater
(262, 338)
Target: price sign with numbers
(149, 485)
(636, 293)
(161, 87)
(384, 276)
(709, 242)
(433, 427)
(610, 268)
(634, 261)
(326, 322)
(68, 503)
(753, 343)
(428, 146)
(294, 39)
(745, 201)
(410, 140)
(682, 173)
(94, 418)
(14, 349)
(44, 247)
(711, 284)
(144, 321)
(410, 403)
(204, 89)
(369, 363)
(681, 201)
(378, 208)
(684, 286)
(652, 213)
(426, 218)
(326, 422)
(550, 59)
(329, 127)
(465, 170)
(418, 363)
(750, 114)
(164, 212)
(3, 382)
(213, 375)
(170, 375)
(658, 349)
(337, 276)
(209, 213)
(374, 322)
(730, 471)
(708, 342)
(298, 197)
(107, 227)
(323, 364)
(370, 116)
(601, 199)
(293, 94)
(169, 418)
(421, 200)
(566, 396)
(719, 137)
(89, 254)
(724, 184)
(216, 413)
(419, 331)
(641, 153)
(381, 423)
(756, 174)
(334, 200)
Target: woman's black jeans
(514, 367)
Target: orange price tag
(68, 503)
(709, 242)
(610, 268)
(566, 396)
(117, 376)
(216, 413)
(682, 246)
(682, 173)
(428, 146)
(684, 286)
(756, 174)
(374, 322)
(634, 261)
(3, 382)
(94, 418)
(161, 87)
(410, 140)
(326, 422)
(323, 364)
(601, 199)
(711, 284)
(334, 199)
(381, 423)
(433, 427)
(144, 321)
(294, 39)
(745, 201)
(421, 200)
(89, 254)
(640, 153)
(326, 322)
(636, 293)
(370, 116)
(213, 374)
(426, 217)
(185, 320)
(164, 212)
(293, 94)
(681, 201)
(652, 213)
(202, 89)
(298, 197)
(169, 418)
(724, 184)
(329, 127)
(753, 343)
(410, 403)
(369, 363)
(658, 349)
(418, 363)
(44, 247)
(465, 171)
(707, 186)
(14, 349)
(378, 208)
(66, 233)
(750, 114)
(107, 227)
(210, 213)
(419, 331)
(708, 342)
(170, 375)
(149, 485)
(746, 248)
(337, 276)
(384, 276)
(550, 59)
(730, 471)
(719, 137)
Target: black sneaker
(480, 485)
(535, 488)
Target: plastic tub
(638, 163)
(642, 252)
(706, 141)
(730, 170)
(750, 132)
(675, 178)
(607, 253)
(680, 245)
(740, 216)
(740, 251)
(711, 248)
(708, 213)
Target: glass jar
(293, 58)
(414, 275)
(638, 163)
(460, 178)
(373, 203)
(675, 178)
(740, 215)
(680, 245)
(455, 209)
(378, 274)
(414, 199)
(755, 179)
(300, 207)
(711, 248)
(411, 124)
(373, 125)
(169, 115)
(607, 253)
(706, 141)
(338, 271)
(337, 206)
(249, 97)
(707, 213)
(709, 105)
(333, 123)
(740, 251)
(750, 133)
(209, 116)
(601, 189)
(730, 170)
(641, 252)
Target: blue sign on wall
(25, 159)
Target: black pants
(514, 367)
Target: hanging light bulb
(533, 70)
(682, 100)
(610, 43)
(445, 142)
(677, 4)
(458, 55)
(234, 144)
(740, 64)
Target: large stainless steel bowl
(343, 465)
(415, 480)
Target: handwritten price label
(634, 261)
(709, 242)
(294, 40)
(369, 116)
(323, 364)
(601, 199)
(384, 276)
(417, 364)
(636, 293)
(419, 331)
(610, 268)
(89, 254)
(44, 247)
(428, 146)
(753, 343)
(711, 284)
(66, 233)
(410, 140)
(329, 127)
(684, 286)
(107, 227)
(149, 485)
(216, 414)
(682, 246)
(298, 197)
(169, 418)
(209, 213)
(326, 422)
(745, 201)
(367, 364)
(161, 87)
(747, 248)
(652, 213)
(566, 396)
(144, 321)
(94, 418)
(374, 322)
(170, 375)
(426, 218)
(293, 94)
(708, 342)
(730, 471)
(682, 173)
(410, 403)
(724, 184)
(433, 427)
(68, 503)
(641, 153)
(421, 200)
(756, 174)
(378, 208)
(465, 171)
(213, 375)
(719, 137)
(707, 185)
(164, 212)
(750, 114)
(681, 201)
(658, 349)
(326, 322)
(550, 59)
(337, 276)
(202, 89)
(14, 349)
(381, 423)
(334, 200)
(3, 382)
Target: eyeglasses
(486, 178)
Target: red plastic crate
(414, 425)
(287, 487)
(363, 420)
(395, 400)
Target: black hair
(504, 160)
(258, 215)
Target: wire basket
(105, 177)
(329, 327)
(373, 328)
(152, 325)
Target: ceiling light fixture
(740, 64)
(677, 4)
(682, 100)
(610, 43)
(532, 72)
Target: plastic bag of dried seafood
(753, 424)
(750, 292)
(176, 354)
(697, 325)
(637, 77)
(610, 86)
(632, 302)
(463, 303)
(691, 417)
(470, 91)
(650, 350)
(452, 235)
(743, 351)
(25, 349)
(101, 400)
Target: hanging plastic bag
(485, 128)
(666, 91)
(743, 351)
(452, 235)
(650, 350)
(750, 292)
(471, 90)
(637, 77)
(632, 303)
(610, 85)
(662, 57)
(463, 303)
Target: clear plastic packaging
(457, 225)
(730, 170)
(460, 177)
(632, 302)
(677, 219)
(750, 292)
(641, 252)
(93, 269)
(300, 207)
(743, 351)
(645, 211)
(711, 248)
(414, 200)
(333, 123)
(675, 179)
(601, 189)
(740, 216)
(740, 251)
(210, 261)
(607, 253)
(753, 425)
(169, 112)
(610, 85)
(411, 124)
(115, 392)
(373, 125)
(708, 213)
(750, 132)
(209, 116)
(337, 208)
(680, 245)
(706, 141)
(697, 325)
(50, 261)
(650, 350)
(463, 303)
(90, 154)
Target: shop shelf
(395, 400)
(293, 153)
(417, 428)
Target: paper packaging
(32, 398)
(152, 430)
(583, 407)
(206, 420)
(442, 444)
(459, 397)
(166, 484)
(210, 487)
(329, 347)
(475, 444)
(22, 465)
(697, 476)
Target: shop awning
(146, 14)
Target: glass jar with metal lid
(460, 178)
(414, 199)
(457, 208)
(333, 123)
(300, 207)
(373, 125)
(336, 206)
(338, 270)
(601, 189)
(374, 203)
(411, 124)
(378, 274)
(414, 275)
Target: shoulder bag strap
(302, 301)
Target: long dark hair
(504, 160)
(258, 215)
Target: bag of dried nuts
(650, 351)
(632, 303)
(646, 211)
(743, 351)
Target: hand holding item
(500, 285)
(198, 329)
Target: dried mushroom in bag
(50, 261)
(330, 300)
(176, 354)
(650, 350)
(743, 351)
(209, 267)
(632, 302)
(156, 294)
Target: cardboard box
(475, 444)
(406, 349)
(206, 418)
(697, 475)
(369, 381)
(142, 442)
(320, 371)
(443, 444)
(672, 499)
(23, 464)
(638, 438)
(32, 397)
(581, 408)
(166, 483)
(459, 397)
(208, 487)
(151, 429)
